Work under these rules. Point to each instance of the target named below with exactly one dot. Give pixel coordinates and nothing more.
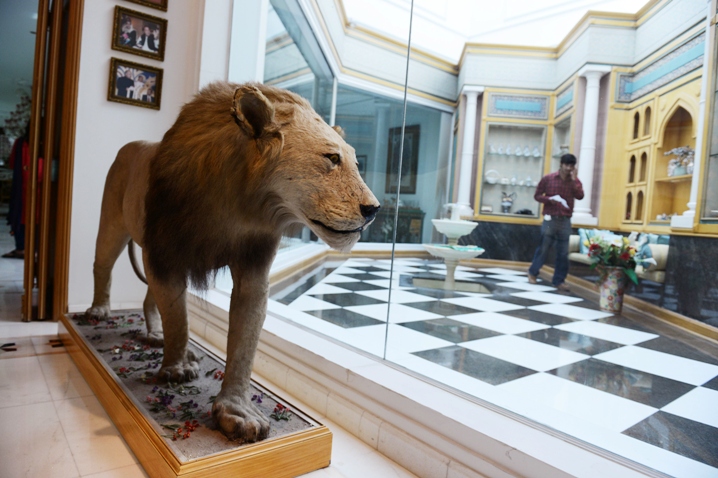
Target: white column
(587, 156)
(249, 40)
(463, 203)
(685, 220)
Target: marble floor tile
(480, 366)
(95, 442)
(501, 271)
(699, 405)
(344, 300)
(679, 435)
(132, 471)
(22, 382)
(482, 304)
(538, 316)
(33, 444)
(63, 378)
(547, 297)
(323, 288)
(504, 324)
(571, 341)
(674, 347)
(307, 302)
(397, 296)
(608, 332)
(451, 330)
(398, 313)
(442, 307)
(335, 278)
(571, 311)
(584, 403)
(358, 286)
(641, 387)
(526, 286)
(659, 363)
(527, 353)
(344, 318)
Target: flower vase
(612, 287)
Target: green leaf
(631, 275)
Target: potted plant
(614, 258)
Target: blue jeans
(557, 231)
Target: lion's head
(314, 171)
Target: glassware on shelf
(527, 151)
(518, 151)
(536, 153)
(492, 149)
(501, 149)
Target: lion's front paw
(155, 339)
(239, 419)
(98, 312)
(184, 371)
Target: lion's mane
(209, 201)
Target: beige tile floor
(52, 425)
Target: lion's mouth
(337, 231)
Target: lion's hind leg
(111, 241)
(155, 337)
(179, 364)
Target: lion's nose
(369, 211)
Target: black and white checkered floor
(552, 357)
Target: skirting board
(289, 455)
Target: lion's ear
(254, 114)
(339, 130)
(252, 111)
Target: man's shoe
(532, 279)
(563, 287)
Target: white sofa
(655, 273)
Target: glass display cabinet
(709, 209)
(512, 167)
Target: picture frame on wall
(158, 4)
(135, 84)
(139, 33)
(410, 163)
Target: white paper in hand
(559, 200)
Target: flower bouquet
(615, 260)
(614, 252)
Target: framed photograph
(135, 84)
(139, 33)
(158, 4)
(361, 160)
(410, 163)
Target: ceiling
(17, 26)
(441, 27)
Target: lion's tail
(133, 261)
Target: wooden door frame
(70, 56)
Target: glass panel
(293, 58)
(629, 206)
(632, 170)
(647, 122)
(709, 211)
(644, 167)
(636, 120)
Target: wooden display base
(282, 455)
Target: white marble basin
(454, 229)
(455, 253)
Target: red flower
(625, 256)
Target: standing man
(557, 192)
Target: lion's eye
(334, 158)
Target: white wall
(103, 127)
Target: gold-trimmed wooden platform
(289, 455)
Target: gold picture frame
(139, 33)
(158, 4)
(135, 84)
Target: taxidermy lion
(241, 164)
